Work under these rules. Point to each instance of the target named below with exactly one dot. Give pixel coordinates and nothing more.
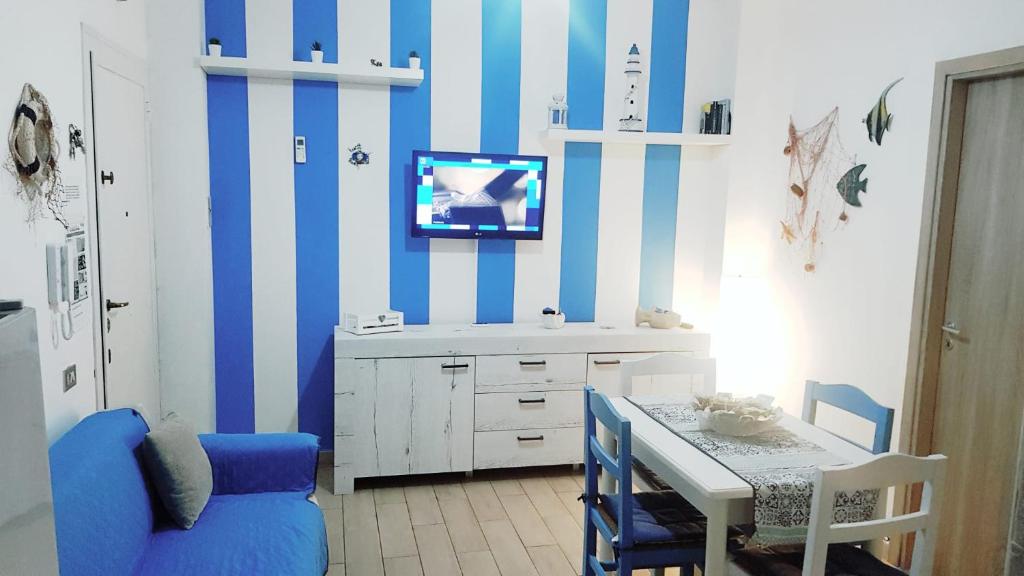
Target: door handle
(533, 362)
(538, 438)
(106, 177)
(454, 366)
(951, 328)
(112, 305)
(607, 362)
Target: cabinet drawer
(526, 410)
(517, 373)
(541, 447)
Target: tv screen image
(468, 195)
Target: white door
(125, 240)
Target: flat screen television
(471, 195)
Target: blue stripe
(668, 66)
(225, 19)
(585, 87)
(658, 240)
(314, 20)
(581, 191)
(499, 133)
(410, 130)
(227, 110)
(661, 164)
(316, 225)
(581, 183)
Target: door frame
(97, 49)
(945, 140)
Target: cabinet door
(423, 415)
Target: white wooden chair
(669, 364)
(665, 364)
(881, 472)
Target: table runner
(778, 464)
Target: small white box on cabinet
(360, 324)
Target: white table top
(712, 479)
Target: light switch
(70, 377)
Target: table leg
(606, 485)
(716, 559)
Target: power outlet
(70, 377)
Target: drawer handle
(530, 438)
(454, 366)
(533, 362)
(532, 400)
(607, 362)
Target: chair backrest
(880, 472)
(597, 408)
(668, 364)
(853, 400)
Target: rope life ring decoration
(34, 150)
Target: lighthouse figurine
(631, 120)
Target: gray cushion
(180, 470)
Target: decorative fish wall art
(879, 119)
(849, 186)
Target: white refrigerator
(27, 540)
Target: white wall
(849, 321)
(181, 187)
(41, 41)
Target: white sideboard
(456, 398)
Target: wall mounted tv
(470, 195)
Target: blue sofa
(110, 522)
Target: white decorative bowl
(736, 423)
(553, 321)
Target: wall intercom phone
(67, 278)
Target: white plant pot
(213, 50)
(318, 56)
(553, 321)
(414, 63)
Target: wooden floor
(500, 523)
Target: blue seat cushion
(279, 533)
(662, 517)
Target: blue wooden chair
(644, 530)
(853, 400)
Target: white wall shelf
(326, 72)
(614, 136)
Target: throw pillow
(179, 468)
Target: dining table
(714, 485)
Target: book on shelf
(716, 117)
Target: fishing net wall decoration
(34, 150)
(818, 167)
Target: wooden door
(424, 415)
(980, 394)
(125, 233)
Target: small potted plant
(317, 52)
(213, 47)
(414, 60)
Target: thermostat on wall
(300, 149)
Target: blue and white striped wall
(294, 245)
